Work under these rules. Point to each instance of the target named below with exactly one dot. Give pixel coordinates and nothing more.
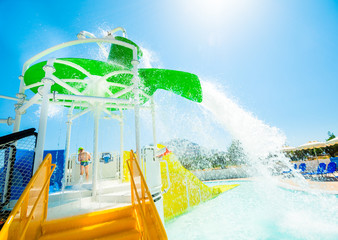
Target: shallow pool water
(259, 210)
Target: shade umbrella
(332, 142)
(288, 149)
(311, 145)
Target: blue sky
(276, 59)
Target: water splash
(251, 211)
(54, 111)
(149, 59)
(261, 142)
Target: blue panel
(335, 160)
(58, 157)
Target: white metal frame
(80, 99)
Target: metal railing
(24, 222)
(16, 165)
(144, 206)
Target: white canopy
(288, 149)
(332, 141)
(311, 145)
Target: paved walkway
(311, 185)
(328, 185)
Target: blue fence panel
(58, 157)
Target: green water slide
(75, 71)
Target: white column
(21, 95)
(154, 124)
(96, 150)
(69, 129)
(121, 146)
(153, 178)
(136, 81)
(137, 131)
(44, 91)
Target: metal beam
(29, 103)
(76, 42)
(57, 96)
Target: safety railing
(146, 212)
(16, 164)
(24, 222)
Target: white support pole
(21, 95)
(69, 128)
(154, 125)
(9, 98)
(90, 99)
(137, 132)
(136, 81)
(9, 121)
(95, 150)
(44, 91)
(29, 103)
(121, 146)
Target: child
(84, 158)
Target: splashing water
(260, 141)
(256, 209)
(251, 211)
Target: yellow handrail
(18, 222)
(140, 216)
(141, 206)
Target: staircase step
(86, 220)
(85, 190)
(126, 235)
(117, 197)
(114, 188)
(94, 231)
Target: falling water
(261, 142)
(256, 209)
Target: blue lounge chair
(302, 167)
(331, 168)
(294, 166)
(320, 170)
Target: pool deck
(311, 185)
(326, 185)
(232, 179)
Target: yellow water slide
(185, 190)
(140, 220)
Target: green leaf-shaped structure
(184, 84)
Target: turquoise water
(259, 210)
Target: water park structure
(149, 181)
